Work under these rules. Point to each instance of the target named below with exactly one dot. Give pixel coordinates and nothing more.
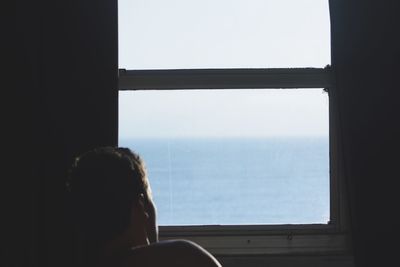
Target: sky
(182, 34)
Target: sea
(237, 181)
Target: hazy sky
(227, 113)
(176, 34)
(223, 33)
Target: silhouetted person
(115, 217)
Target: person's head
(111, 197)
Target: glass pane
(180, 34)
(231, 157)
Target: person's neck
(116, 250)
(126, 241)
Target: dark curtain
(64, 102)
(365, 58)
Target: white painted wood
(287, 261)
(273, 245)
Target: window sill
(310, 239)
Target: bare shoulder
(171, 253)
(194, 251)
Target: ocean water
(237, 181)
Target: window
(235, 92)
(231, 157)
(188, 34)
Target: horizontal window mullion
(192, 230)
(225, 79)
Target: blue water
(237, 181)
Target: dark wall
(66, 103)
(365, 47)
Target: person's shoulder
(191, 250)
(171, 253)
(180, 244)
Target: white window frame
(331, 238)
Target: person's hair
(103, 184)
